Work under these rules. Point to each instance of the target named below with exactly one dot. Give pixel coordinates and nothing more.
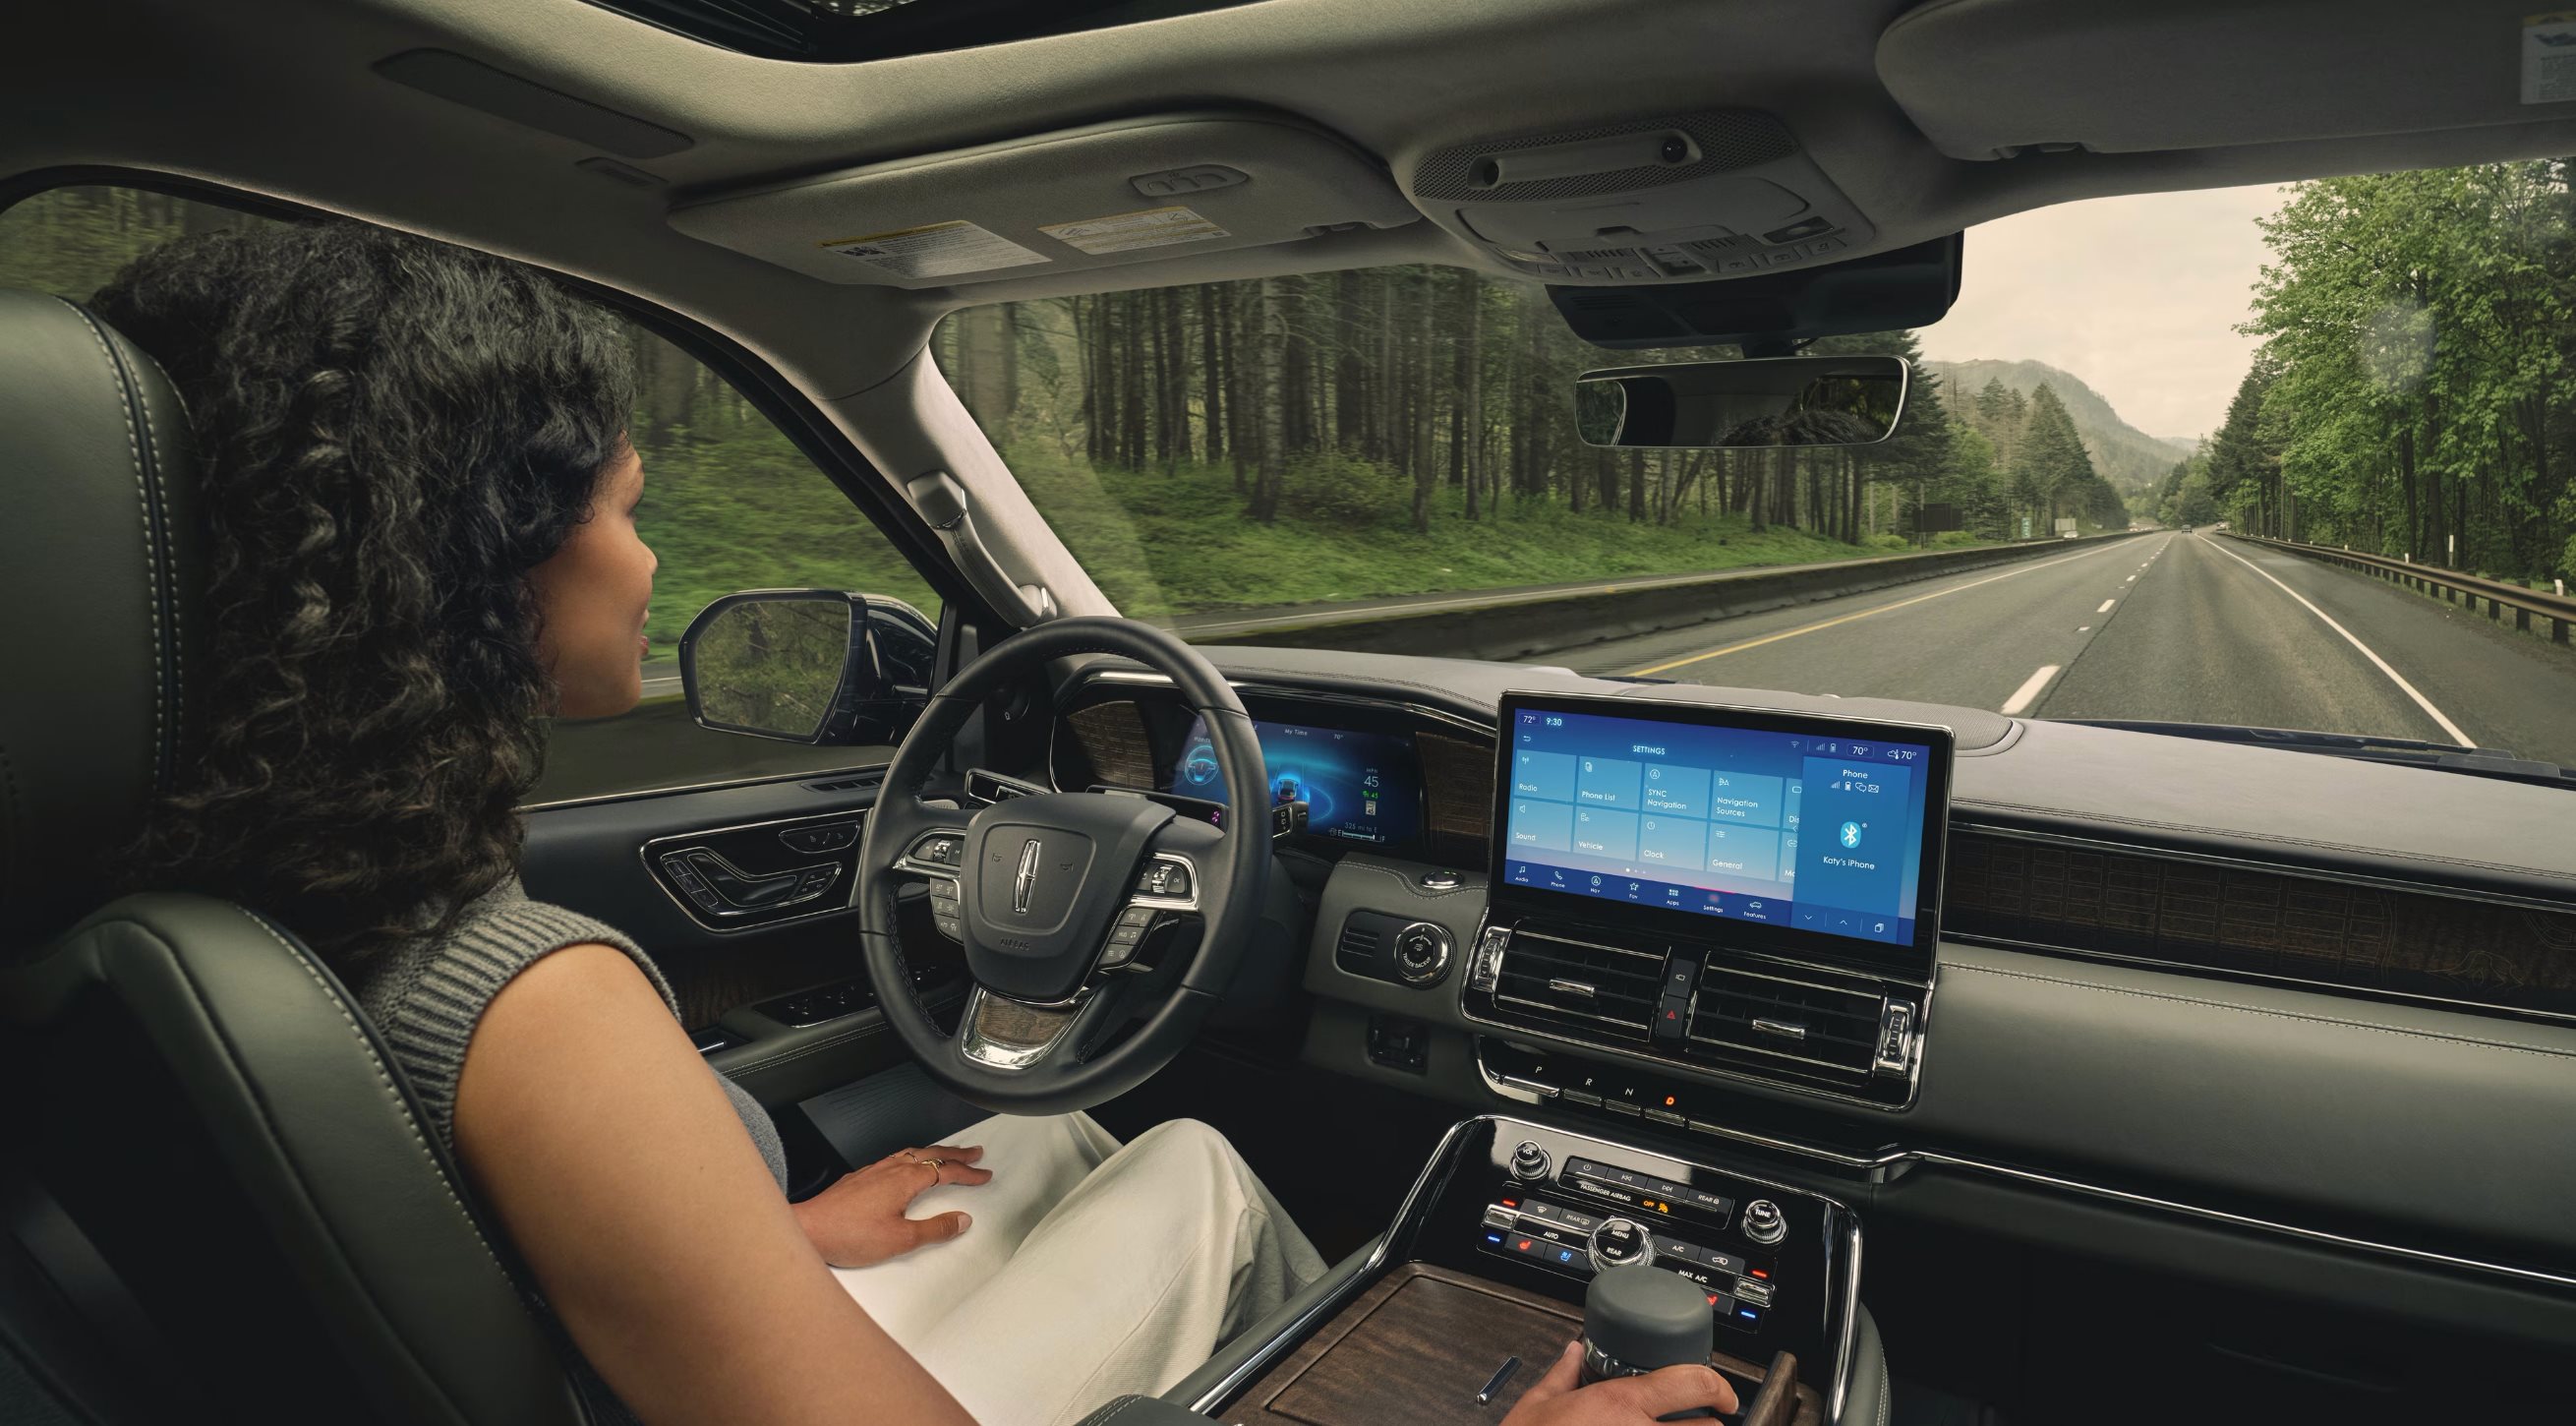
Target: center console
(1680, 896)
(1480, 1283)
(1730, 892)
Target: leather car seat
(215, 1181)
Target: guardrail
(1512, 626)
(2466, 590)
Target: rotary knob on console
(1422, 953)
(1764, 1223)
(1529, 1162)
(1620, 1243)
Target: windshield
(2286, 457)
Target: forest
(1406, 428)
(2414, 394)
(729, 502)
(1331, 436)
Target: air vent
(847, 784)
(1785, 1020)
(1358, 946)
(1583, 982)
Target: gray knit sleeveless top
(426, 997)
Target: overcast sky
(2139, 296)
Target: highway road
(2166, 627)
(2190, 628)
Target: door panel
(769, 981)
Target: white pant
(1091, 1270)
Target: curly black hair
(391, 432)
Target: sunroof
(848, 31)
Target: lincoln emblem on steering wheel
(1025, 884)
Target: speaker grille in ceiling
(1727, 139)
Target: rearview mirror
(1767, 401)
(809, 666)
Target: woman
(421, 502)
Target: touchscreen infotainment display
(1357, 786)
(1813, 825)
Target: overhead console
(1099, 196)
(1683, 198)
(1729, 891)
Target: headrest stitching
(143, 498)
(169, 558)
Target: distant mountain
(2129, 458)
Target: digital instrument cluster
(1358, 786)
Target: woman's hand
(1557, 1400)
(860, 1219)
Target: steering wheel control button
(1764, 1223)
(1164, 877)
(1529, 1161)
(1620, 1242)
(945, 849)
(1422, 953)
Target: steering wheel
(1052, 894)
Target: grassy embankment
(748, 512)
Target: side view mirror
(809, 666)
(1727, 405)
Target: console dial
(1529, 1161)
(1620, 1242)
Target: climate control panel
(1590, 1215)
(1544, 1209)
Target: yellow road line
(1860, 614)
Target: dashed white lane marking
(2376, 661)
(2132, 579)
(2106, 606)
(2028, 693)
(2084, 628)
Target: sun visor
(1987, 79)
(1101, 196)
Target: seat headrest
(101, 585)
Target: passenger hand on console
(1558, 1400)
(860, 1219)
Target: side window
(729, 504)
